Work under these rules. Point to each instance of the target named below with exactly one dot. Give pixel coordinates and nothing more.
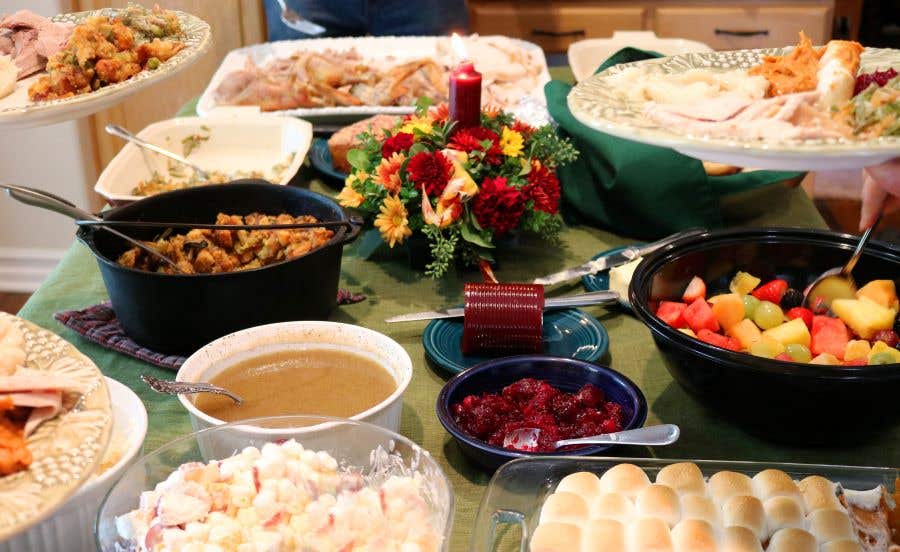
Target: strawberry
(719, 340)
(672, 313)
(799, 312)
(696, 289)
(771, 291)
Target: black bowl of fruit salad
(725, 309)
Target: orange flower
(388, 172)
(393, 221)
(439, 113)
(491, 111)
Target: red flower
(543, 188)
(522, 128)
(470, 139)
(398, 143)
(431, 170)
(498, 206)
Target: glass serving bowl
(375, 452)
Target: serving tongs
(52, 202)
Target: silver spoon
(46, 200)
(837, 282)
(116, 130)
(294, 21)
(526, 439)
(170, 387)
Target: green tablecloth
(393, 288)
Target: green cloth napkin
(637, 190)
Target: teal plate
(568, 333)
(320, 158)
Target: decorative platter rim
(197, 39)
(67, 449)
(595, 103)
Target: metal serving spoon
(116, 130)
(46, 200)
(526, 439)
(295, 21)
(170, 387)
(837, 282)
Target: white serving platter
(17, 111)
(396, 48)
(240, 139)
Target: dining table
(393, 285)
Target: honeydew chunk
(883, 292)
(856, 349)
(794, 332)
(864, 316)
(882, 347)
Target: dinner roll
(828, 524)
(769, 483)
(693, 535)
(819, 492)
(603, 535)
(746, 511)
(843, 545)
(659, 501)
(648, 534)
(696, 506)
(739, 539)
(556, 537)
(584, 484)
(564, 507)
(792, 539)
(781, 512)
(611, 506)
(725, 484)
(683, 478)
(627, 479)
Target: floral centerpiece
(461, 188)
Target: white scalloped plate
(595, 103)
(397, 47)
(67, 449)
(17, 111)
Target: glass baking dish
(512, 502)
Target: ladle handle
(857, 253)
(46, 200)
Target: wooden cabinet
(734, 28)
(723, 25)
(553, 25)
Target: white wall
(50, 158)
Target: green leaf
(358, 159)
(474, 237)
(422, 105)
(418, 147)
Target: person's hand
(880, 193)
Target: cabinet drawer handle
(557, 34)
(761, 32)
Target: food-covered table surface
(393, 287)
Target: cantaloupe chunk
(864, 316)
(856, 349)
(728, 309)
(746, 332)
(827, 359)
(882, 347)
(794, 331)
(883, 292)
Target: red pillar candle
(465, 95)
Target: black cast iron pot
(177, 314)
(784, 401)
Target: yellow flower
(416, 122)
(511, 142)
(393, 222)
(348, 196)
(388, 172)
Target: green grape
(768, 315)
(750, 304)
(763, 349)
(798, 352)
(882, 358)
